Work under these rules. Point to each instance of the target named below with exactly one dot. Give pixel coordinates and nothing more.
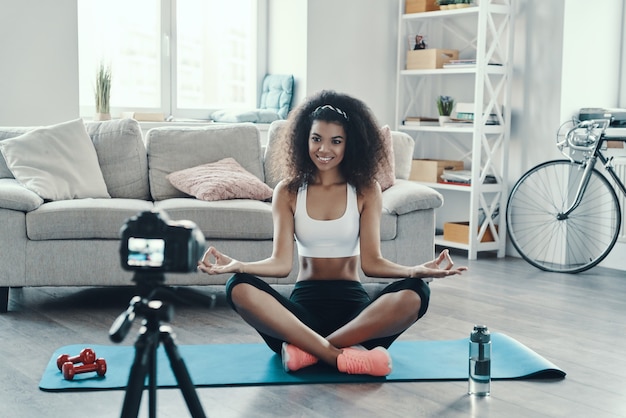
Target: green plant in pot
(445, 104)
(103, 93)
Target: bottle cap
(480, 334)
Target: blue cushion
(275, 103)
(276, 94)
(239, 116)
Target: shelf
(443, 14)
(486, 188)
(484, 246)
(490, 69)
(483, 32)
(487, 129)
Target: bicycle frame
(590, 158)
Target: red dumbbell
(70, 370)
(86, 356)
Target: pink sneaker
(375, 362)
(295, 358)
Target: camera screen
(146, 252)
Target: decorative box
(459, 232)
(418, 6)
(430, 171)
(423, 59)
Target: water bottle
(480, 361)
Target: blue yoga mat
(255, 364)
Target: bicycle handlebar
(585, 134)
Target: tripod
(151, 334)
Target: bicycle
(563, 215)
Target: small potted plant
(445, 104)
(103, 92)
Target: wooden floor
(576, 321)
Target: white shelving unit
(483, 31)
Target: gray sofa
(75, 242)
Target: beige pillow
(386, 175)
(58, 162)
(222, 180)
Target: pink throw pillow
(386, 175)
(221, 180)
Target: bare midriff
(342, 268)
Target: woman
(330, 202)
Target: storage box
(429, 58)
(431, 170)
(418, 6)
(459, 232)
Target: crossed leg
(388, 315)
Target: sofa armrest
(17, 197)
(407, 196)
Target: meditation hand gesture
(221, 264)
(442, 266)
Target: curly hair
(364, 143)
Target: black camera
(151, 242)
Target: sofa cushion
(82, 218)
(173, 149)
(273, 134)
(223, 219)
(407, 196)
(403, 145)
(6, 133)
(221, 180)
(122, 156)
(58, 162)
(17, 197)
(386, 175)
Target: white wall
(352, 48)
(347, 45)
(591, 55)
(287, 40)
(39, 71)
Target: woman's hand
(221, 263)
(442, 266)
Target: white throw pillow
(58, 162)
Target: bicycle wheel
(569, 245)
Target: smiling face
(327, 144)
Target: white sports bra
(327, 239)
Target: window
(180, 57)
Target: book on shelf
(463, 177)
(420, 121)
(465, 113)
(464, 63)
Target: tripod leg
(144, 353)
(181, 373)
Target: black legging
(327, 305)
